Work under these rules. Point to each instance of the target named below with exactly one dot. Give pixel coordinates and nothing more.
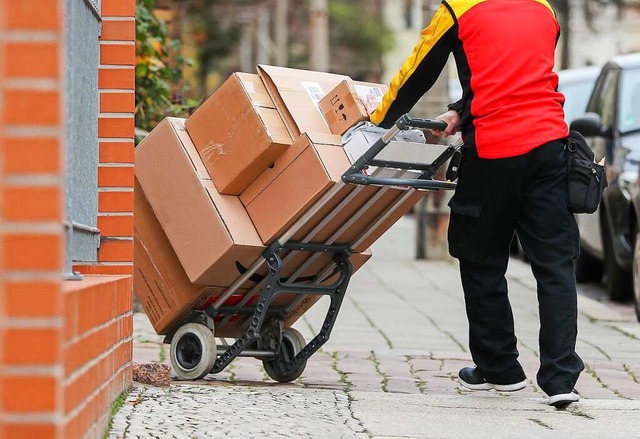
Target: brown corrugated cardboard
(208, 231)
(344, 106)
(296, 94)
(316, 169)
(238, 133)
(295, 189)
(165, 291)
(163, 288)
(281, 163)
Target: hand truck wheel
(193, 351)
(292, 344)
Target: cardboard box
(296, 94)
(238, 133)
(210, 233)
(343, 106)
(161, 284)
(316, 169)
(165, 291)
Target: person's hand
(368, 105)
(452, 118)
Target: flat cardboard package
(210, 233)
(238, 133)
(165, 291)
(316, 169)
(344, 106)
(296, 94)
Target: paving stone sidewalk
(389, 369)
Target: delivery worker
(512, 177)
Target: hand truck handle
(355, 175)
(406, 121)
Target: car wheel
(618, 281)
(588, 268)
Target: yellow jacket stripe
(441, 23)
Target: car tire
(588, 268)
(619, 283)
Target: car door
(603, 102)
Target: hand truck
(283, 350)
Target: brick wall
(66, 345)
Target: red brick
(117, 54)
(124, 79)
(40, 431)
(32, 107)
(125, 269)
(32, 204)
(33, 14)
(116, 127)
(71, 314)
(115, 176)
(25, 346)
(32, 155)
(116, 152)
(117, 102)
(33, 60)
(118, 8)
(33, 252)
(121, 226)
(33, 299)
(116, 251)
(118, 30)
(29, 393)
(115, 201)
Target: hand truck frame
(284, 352)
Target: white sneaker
(563, 399)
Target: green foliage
(216, 36)
(359, 35)
(159, 65)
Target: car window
(576, 98)
(604, 101)
(630, 101)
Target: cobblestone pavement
(389, 369)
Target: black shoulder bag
(587, 179)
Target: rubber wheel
(193, 351)
(588, 268)
(618, 281)
(636, 276)
(292, 343)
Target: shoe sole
(563, 400)
(499, 387)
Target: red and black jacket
(504, 51)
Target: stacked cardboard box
(213, 192)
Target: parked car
(612, 127)
(576, 85)
(635, 269)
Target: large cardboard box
(165, 291)
(161, 284)
(296, 94)
(210, 233)
(238, 133)
(344, 106)
(316, 169)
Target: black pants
(494, 198)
